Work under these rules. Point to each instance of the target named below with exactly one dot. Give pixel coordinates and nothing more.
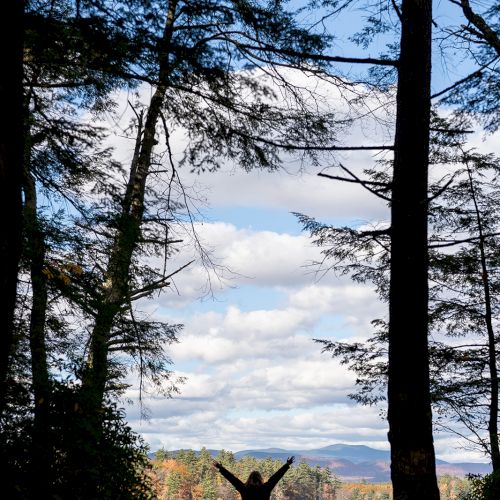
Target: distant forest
(190, 475)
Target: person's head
(254, 479)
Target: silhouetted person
(255, 488)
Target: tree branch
(465, 240)
(346, 179)
(440, 191)
(397, 9)
(484, 30)
(146, 290)
(478, 72)
(365, 184)
(320, 57)
(294, 147)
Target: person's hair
(254, 479)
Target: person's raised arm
(230, 477)
(273, 480)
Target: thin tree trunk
(492, 357)
(35, 252)
(11, 164)
(115, 289)
(413, 469)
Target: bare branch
(474, 74)
(440, 191)
(465, 240)
(163, 282)
(397, 9)
(365, 184)
(346, 179)
(451, 131)
(295, 147)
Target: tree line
(188, 475)
(85, 236)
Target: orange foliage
(172, 465)
(197, 492)
(367, 487)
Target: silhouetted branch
(163, 282)
(320, 57)
(346, 179)
(397, 9)
(295, 147)
(465, 240)
(483, 30)
(443, 189)
(478, 72)
(365, 184)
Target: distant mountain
(356, 462)
(353, 453)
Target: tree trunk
(492, 355)
(35, 251)
(492, 364)
(11, 164)
(115, 288)
(413, 470)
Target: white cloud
(451, 449)
(239, 335)
(315, 427)
(356, 303)
(258, 258)
(251, 369)
(263, 259)
(295, 192)
(256, 376)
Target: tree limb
(465, 240)
(294, 147)
(346, 179)
(474, 74)
(365, 184)
(146, 290)
(321, 57)
(484, 30)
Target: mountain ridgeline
(351, 462)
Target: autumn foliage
(189, 475)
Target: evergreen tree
(408, 378)
(463, 311)
(85, 266)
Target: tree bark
(11, 165)
(413, 470)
